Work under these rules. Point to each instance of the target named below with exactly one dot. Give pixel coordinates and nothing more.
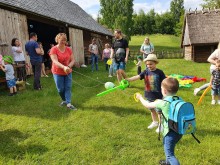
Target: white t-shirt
(9, 72)
(17, 56)
(93, 48)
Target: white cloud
(193, 4)
(156, 5)
(85, 4)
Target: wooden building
(201, 34)
(47, 18)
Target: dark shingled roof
(61, 10)
(201, 27)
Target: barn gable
(47, 18)
(200, 34)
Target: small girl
(215, 82)
(139, 64)
(9, 72)
(106, 55)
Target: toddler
(9, 72)
(215, 82)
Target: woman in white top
(146, 48)
(19, 59)
(212, 59)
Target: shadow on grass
(11, 149)
(120, 111)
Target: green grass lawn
(111, 129)
(161, 42)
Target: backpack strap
(195, 138)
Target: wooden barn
(47, 18)
(201, 34)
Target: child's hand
(138, 96)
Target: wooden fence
(160, 54)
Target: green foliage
(176, 10)
(211, 4)
(161, 42)
(117, 14)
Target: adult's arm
(72, 61)
(112, 53)
(127, 53)
(212, 58)
(39, 51)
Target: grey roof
(201, 27)
(61, 10)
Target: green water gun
(123, 84)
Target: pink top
(107, 53)
(63, 57)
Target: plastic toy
(135, 97)
(203, 94)
(109, 85)
(123, 84)
(135, 62)
(109, 62)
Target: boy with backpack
(171, 136)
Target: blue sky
(92, 6)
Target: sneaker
(159, 129)
(109, 75)
(163, 162)
(70, 106)
(196, 91)
(218, 102)
(63, 103)
(213, 102)
(10, 94)
(46, 76)
(153, 124)
(28, 83)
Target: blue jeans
(64, 86)
(94, 61)
(36, 67)
(106, 65)
(112, 68)
(169, 142)
(119, 65)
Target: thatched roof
(60, 10)
(201, 27)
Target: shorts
(216, 91)
(11, 83)
(119, 65)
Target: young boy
(215, 82)
(9, 72)
(169, 88)
(152, 78)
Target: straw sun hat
(151, 57)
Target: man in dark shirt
(120, 52)
(35, 53)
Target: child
(43, 72)
(152, 78)
(9, 72)
(169, 88)
(139, 64)
(215, 82)
(106, 55)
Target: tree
(117, 14)
(176, 10)
(211, 4)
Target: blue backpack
(181, 118)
